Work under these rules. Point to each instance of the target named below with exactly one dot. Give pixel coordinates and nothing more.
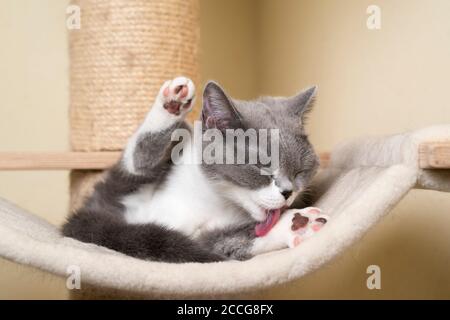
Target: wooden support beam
(432, 155)
(72, 160)
(57, 160)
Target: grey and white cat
(150, 208)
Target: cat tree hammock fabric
(119, 58)
(362, 183)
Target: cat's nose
(286, 193)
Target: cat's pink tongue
(264, 227)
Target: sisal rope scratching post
(120, 57)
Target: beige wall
(33, 116)
(229, 31)
(370, 82)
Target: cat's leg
(144, 241)
(234, 242)
(151, 144)
(241, 242)
(294, 226)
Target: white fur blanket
(364, 180)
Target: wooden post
(120, 57)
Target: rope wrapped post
(120, 57)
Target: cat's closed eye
(299, 180)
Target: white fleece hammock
(363, 181)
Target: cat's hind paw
(294, 227)
(177, 95)
(302, 224)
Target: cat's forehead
(268, 113)
(295, 150)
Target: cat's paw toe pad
(296, 241)
(177, 95)
(304, 224)
(312, 210)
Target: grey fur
(233, 242)
(101, 218)
(297, 155)
(101, 221)
(152, 150)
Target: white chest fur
(185, 202)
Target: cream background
(370, 82)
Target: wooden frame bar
(432, 155)
(57, 160)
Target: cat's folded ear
(218, 110)
(301, 104)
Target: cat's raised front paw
(177, 95)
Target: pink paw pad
(181, 91)
(297, 241)
(313, 210)
(305, 223)
(178, 95)
(174, 107)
